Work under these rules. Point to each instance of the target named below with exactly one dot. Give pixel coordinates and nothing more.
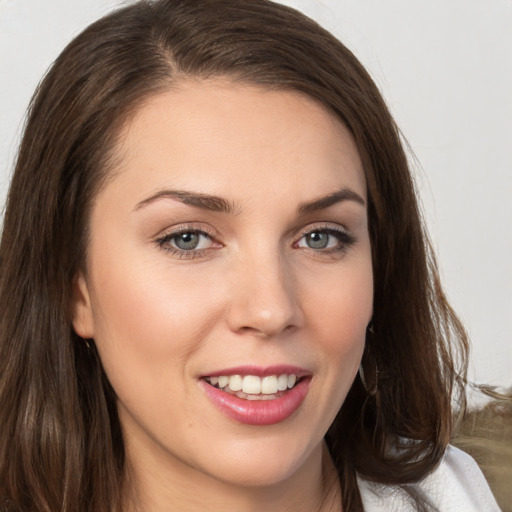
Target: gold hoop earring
(369, 376)
(370, 385)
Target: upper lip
(260, 371)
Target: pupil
(187, 241)
(318, 240)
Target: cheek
(342, 304)
(148, 325)
(339, 312)
(149, 329)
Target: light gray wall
(445, 68)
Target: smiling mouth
(252, 387)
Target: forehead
(213, 135)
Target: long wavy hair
(61, 445)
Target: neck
(313, 487)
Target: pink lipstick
(255, 395)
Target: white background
(445, 69)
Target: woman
(210, 228)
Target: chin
(262, 463)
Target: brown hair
(61, 446)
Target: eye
(326, 239)
(186, 242)
(190, 240)
(318, 240)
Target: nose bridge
(264, 299)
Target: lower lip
(258, 412)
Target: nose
(264, 299)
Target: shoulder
(456, 484)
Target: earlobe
(82, 316)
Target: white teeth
(223, 381)
(235, 383)
(251, 385)
(282, 382)
(269, 385)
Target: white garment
(456, 485)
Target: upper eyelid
(185, 228)
(324, 227)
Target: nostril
(265, 331)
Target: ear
(82, 315)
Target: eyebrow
(202, 201)
(344, 194)
(219, 205)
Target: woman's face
(229, 250)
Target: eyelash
(164, 242)
(345, 241)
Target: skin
(254, 293)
